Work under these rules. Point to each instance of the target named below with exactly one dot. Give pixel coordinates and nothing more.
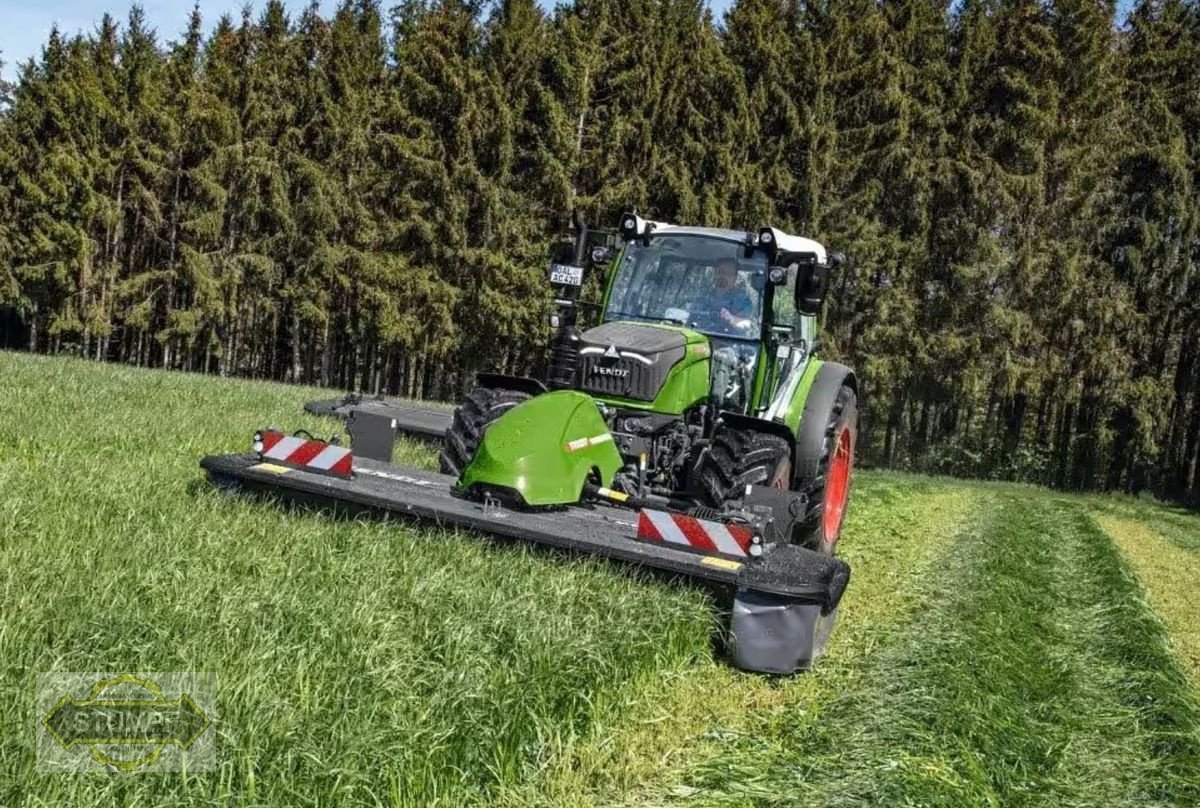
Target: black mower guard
(790, 572)
(423, 423)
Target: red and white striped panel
(697, 534)
(307, 454)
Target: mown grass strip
(1170, 575)
(1034, 675)
(898, 526)
(1179, 526)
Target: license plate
(563, 273)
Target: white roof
(790, 243)
(786, 241)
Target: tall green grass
(364, 662)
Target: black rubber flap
(371, 434)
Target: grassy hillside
(998, 644)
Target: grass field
(998, 645)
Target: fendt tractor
(693, 430)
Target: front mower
(693, 431)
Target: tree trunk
(33, 329)
(295, 370)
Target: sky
(25, 25)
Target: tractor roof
(786, 241)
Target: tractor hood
(644, 365)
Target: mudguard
(814, 418)
(544, 450)
(749, 422)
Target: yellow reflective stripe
(721, 563)
(608, 493)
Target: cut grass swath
(1171, 576)
(679, 718)
(1033, 675)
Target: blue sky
(24, 26)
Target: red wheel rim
(837, 487)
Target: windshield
(701, 282)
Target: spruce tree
(1154, 251)
(702, 127)
(10, 290)
(774, 49)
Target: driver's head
(725, 276)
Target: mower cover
(543, 451)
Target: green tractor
(700, 379)
(692, 430)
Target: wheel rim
(837, 488)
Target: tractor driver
(728, 308)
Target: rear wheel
(471, 419)
(741, 457)
(828, 489)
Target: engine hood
(635, 361)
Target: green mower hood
(543, 450)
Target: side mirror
(812, 281)
(601, 255)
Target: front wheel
(742, 457)
(477, 412)
(828, 489)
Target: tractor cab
(691, 315)
(705, 281)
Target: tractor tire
(825, 478)
(471, 419)
(741, 457)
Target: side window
(784, 306)
(623, 282)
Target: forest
(364, 200)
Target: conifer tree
(702, 127)
(10, 289)
(1154, 247)
(774, 49)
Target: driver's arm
(738, 312)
